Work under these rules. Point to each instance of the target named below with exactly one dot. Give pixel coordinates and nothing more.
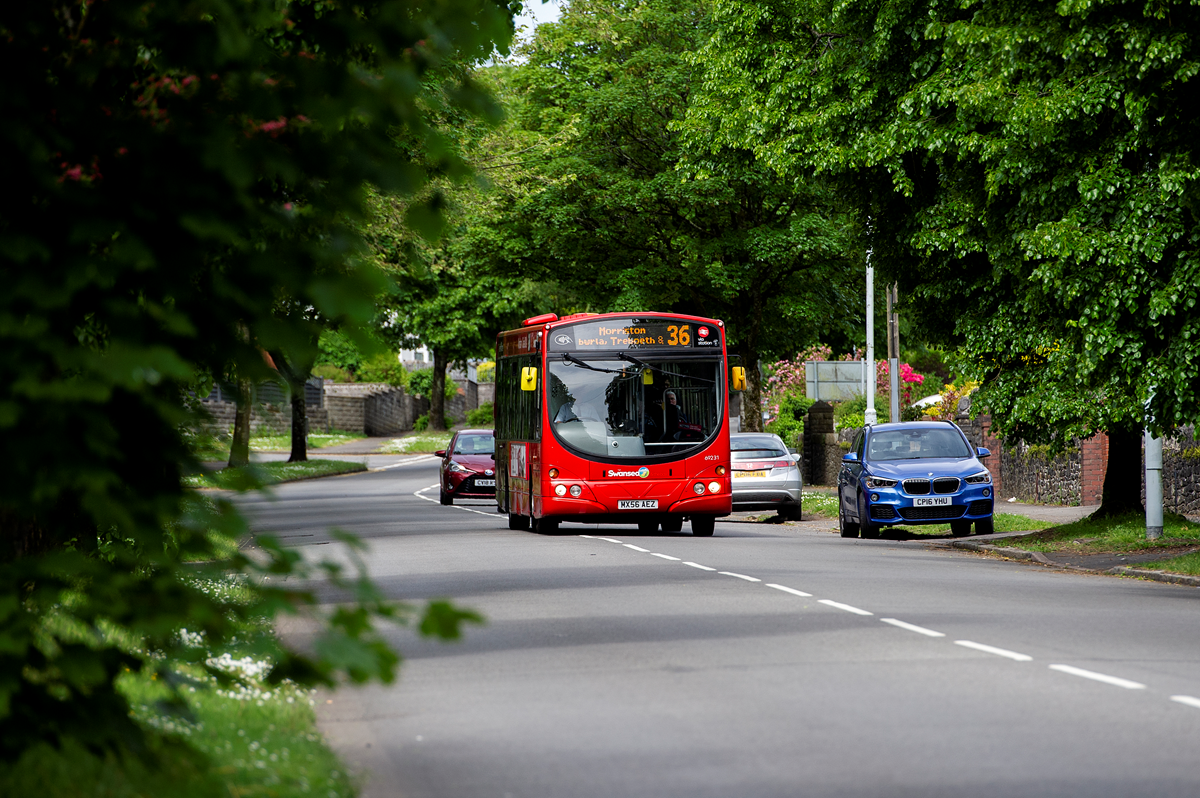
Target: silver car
(766, 476)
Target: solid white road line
(420, 495)
(739, 576)
(1115, 681)
(1186, 699)
(838, 605)
(636, 548)
(664, 556)
(999, 652)
(921, 630)
(701, 567)
(792, 590)
(420, 459)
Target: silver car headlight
(982, 478)
(879, 482)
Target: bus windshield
(622, 406)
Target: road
(765, 661)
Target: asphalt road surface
(766, 661)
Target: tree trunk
(1123, 476)
(752, 396)
(437, 402)
(299, 427)
(239, 450)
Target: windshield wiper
(645, 365)
(582, 364)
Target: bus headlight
(714, 487)
(698, 488)
(576, 491)
(560, 490)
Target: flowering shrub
(948, 409)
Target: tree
(1028, 165)
(163, 162)
(640, 208)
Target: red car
(469, 466)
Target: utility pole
(870, 416)
(893, 300)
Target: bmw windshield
(616, 406)
(918, 443)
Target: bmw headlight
(982, 478)
(880, 482)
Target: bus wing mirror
(647, 377)
(738, 383)
(529, 378)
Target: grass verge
(244, 738)
(1123, 533)
(259, 474)
(210, 448)
(418, 443)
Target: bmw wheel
(960, 528)
(847, 529)
(984, 526)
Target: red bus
(614, 418)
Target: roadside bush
(482, 416)
(339, 351)
(485, 372)
(850, 413)
(788, 421)
(421, 423)
(328, 371)
(420, 383)
(384, 368)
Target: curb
(1038, 557)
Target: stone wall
(486, 392)
(1030, 476)
(821, 455)
(372, 408)
(1181, 473)
(264, 418)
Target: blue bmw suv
(919, 472)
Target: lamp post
(870, 416)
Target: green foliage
(339, 351)
(485, 372)
(421, 423)
(420, 383)
(482, 416)
(176, 173)
(788, 423)
(328, 371)
(638, 207)
(1029, 165)
(385, 368)
(850, 413)
(1114, 533)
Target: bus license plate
(932, 501)
(637, 504)
(485, 483)
(742, 474)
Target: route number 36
(679, 336)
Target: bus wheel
(518, 521)
(546, 526)
(647, 527)
(674, 525)
(703, 525)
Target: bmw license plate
(485, 483)
(637, 504)
(737, 474)
(932, 501)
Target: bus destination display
(617, 334)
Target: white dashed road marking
(664, 556)
(999, 652)
(921, 630)
(792, 590)
(636, 548)
(701, 567)
(739, 576)
(1187, 699)
(1115, 681)
(840, 606)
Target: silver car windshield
(618, 408)
(752, 447)
(916, 444)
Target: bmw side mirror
(981, 452)
(850, 457)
